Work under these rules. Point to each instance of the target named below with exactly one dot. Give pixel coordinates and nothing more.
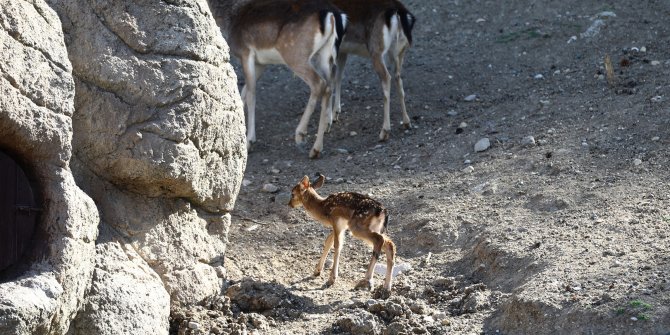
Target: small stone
(655, 138)
(270, 188)
(446, 322)
(482, 145)
(193, 325)
(657, 98)
(637, 161)
(469, 169)
(655, 63)
(539, 76)
(480, 20)
(246, 182)
(342, 151)
(467, 162)
(275, 171)
(643, 49)
(633, 318)
(528, 141)
(440, 316)
(353, 133)
(452, 113)
(470, 98)
(463, 125)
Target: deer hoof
(364, 285)
(330, 282)
(317, 273)
(314, 153)
(407, 125)
(384, 135)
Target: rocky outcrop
(139, 98)
(36, 108)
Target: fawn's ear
(304, 183)
(319, 182)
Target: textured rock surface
(123, 280)
(36, 105)
(139, 98)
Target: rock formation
(136, 104)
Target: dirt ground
(562, 233)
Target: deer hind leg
(397, 59)
(377, 245)
(390, 250)
(327, 245)
(252, 71)
(341, 62)
(338, 242)
(380, 67)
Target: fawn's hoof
(314, 153)
(364, 285)
(330, 282)
(406, 125)
(317, 273)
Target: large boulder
(136, 104)
(36, 108)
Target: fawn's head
(298, 192)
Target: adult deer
(366, 218)
(376, 29)
(302, 34)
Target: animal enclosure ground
(561, 226)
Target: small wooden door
(19, 211)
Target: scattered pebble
(643, 49)
(270, 188)
(275, 171)
(655, 63)
(480, 20)
(342, 151)
(657, 98)
(193, 325)
(251, 228)
(463, 125)
(482, 145)
(469, 169)
(633, 318)
(655, 138)
(539, 76)
(353, 133)
(470, 98)
(467, 162)
(452, 113)
(637, 161)
(528, 141)
(572, 39)
(246, 182)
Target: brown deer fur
(301, 34)
(376, 29)
(364, 217)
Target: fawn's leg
(327, 245)
(338, 242)
(377, 244)
(390, 262)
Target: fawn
(302, 34)
(375, 29)
(366, 218)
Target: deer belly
(268, 56)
